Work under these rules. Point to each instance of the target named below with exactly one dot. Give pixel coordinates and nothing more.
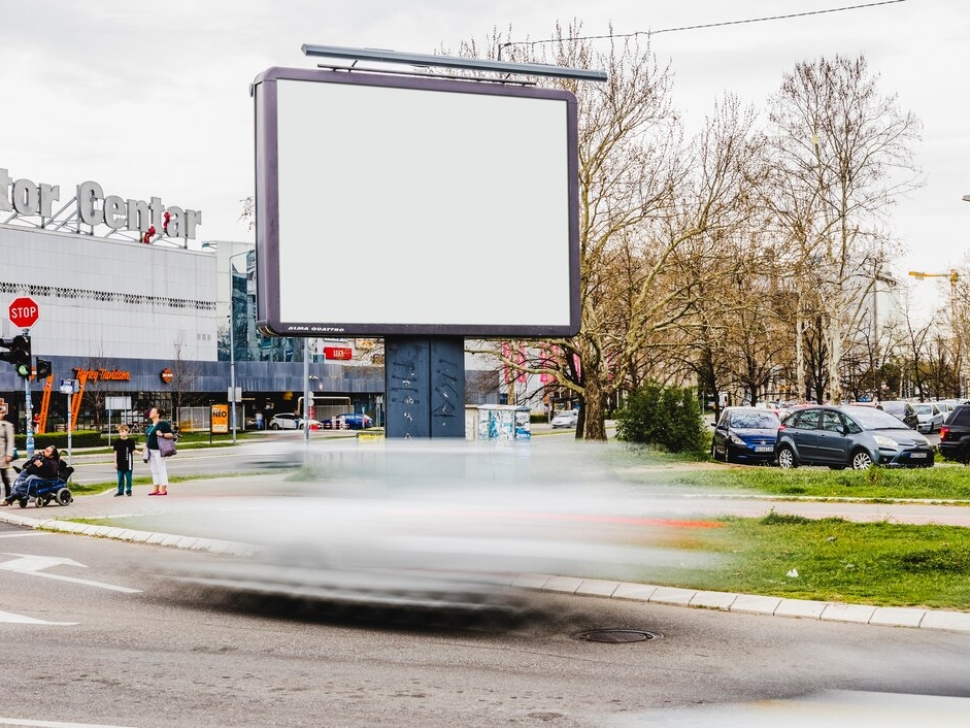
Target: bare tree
(841, 153)
(185, 377)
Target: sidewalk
(190, 500)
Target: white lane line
(25, 533)
(54, 724)
(33, 564)
(11, 618)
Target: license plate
(764, 448)
(917, 455)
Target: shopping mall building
(131, 311)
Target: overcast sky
(152, 99)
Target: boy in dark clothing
(124, 460)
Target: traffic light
(43, 369)
(18, 354)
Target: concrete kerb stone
(563, 584)
(713, 600)
(672, 595)
(634, 592)
(857, 613)
(597, 588)
(952, 621)
(755, 604)
(805, 608)
(897, 617)
(193, 543)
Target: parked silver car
(566, 418)
(849, 437)
(930, 417)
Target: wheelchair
(42, 492)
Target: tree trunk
(594, 424)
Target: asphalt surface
(189, 503)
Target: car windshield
(872, 419)
(754, 421)
(923, 409)
(894, 407)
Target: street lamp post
(232, 346)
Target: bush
(666, 416)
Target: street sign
(23, 312)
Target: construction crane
(952, 275)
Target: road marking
(11, 618)
(27, 564)
(22, 535)
(54, 724)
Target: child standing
(124, 460)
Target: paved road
(95, 634)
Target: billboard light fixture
(470, 64)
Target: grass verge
(882, 564)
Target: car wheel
(274, 426)
(786, 458)
(713, 452)
(861, 460)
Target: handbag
(166, 447)
(16, 454)
(146, 456)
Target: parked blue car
(348, 421)
(745, 435)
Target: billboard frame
(268, 245)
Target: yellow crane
(952, 275)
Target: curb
(913, 618)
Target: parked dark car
(745, 435)
(902, 411)
(850, 437)
(955, 435)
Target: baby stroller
(42, 492)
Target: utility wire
(700, 27)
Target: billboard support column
(424, 378)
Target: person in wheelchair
(44, 465)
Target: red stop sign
(23, 312)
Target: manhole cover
(616, 636)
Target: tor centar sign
(94, 207)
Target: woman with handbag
(7, 453)
(160, 430)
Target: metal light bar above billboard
(471, 64)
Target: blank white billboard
(393, 205)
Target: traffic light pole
(29, 410)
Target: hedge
(81, 438)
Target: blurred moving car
(850, 437)
(955, 435)
(929, 417)
(745, 435)
(902, 411)
(565, 418)
(348, 421)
